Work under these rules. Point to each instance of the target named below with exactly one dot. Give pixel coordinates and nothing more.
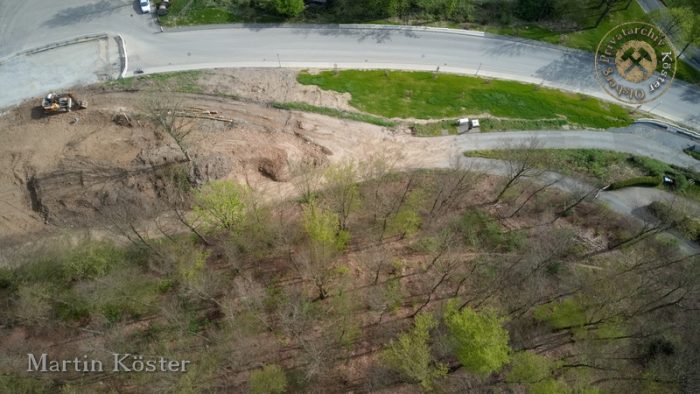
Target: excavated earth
(111, 164)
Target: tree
(409, 354)
(167, 115)
(324, 242)
(689, 27)
(529, 367)
(289, 8)
(268, 380)
(220, 204)
(341, 187)
(480, 342)
(522, 163)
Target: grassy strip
(695, 155)
(426, 95)
(605, 166)
(445, 127)
(641, 181)
(521, 124)
(435, 129)
(336, 113)
(180, 81)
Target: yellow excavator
(61, 102)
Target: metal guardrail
(671, 127)
(72, 41)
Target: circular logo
(635, 62)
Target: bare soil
(87, 168)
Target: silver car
(145, 6)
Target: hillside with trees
(370, 279)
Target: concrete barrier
(123, 54)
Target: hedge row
(646, 181)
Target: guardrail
(72, 41)
(671, 126)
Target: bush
(91, 260)
(269, 380)
(642, 181)
(289, 8)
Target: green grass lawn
(604, 166)
(425, 95)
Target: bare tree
(522, 162)
(166, 114)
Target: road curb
(124, 56)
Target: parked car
(145, 6)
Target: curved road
(32, 23)
(391, 47)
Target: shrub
(642, 181)
(91, 260)
(289, 8)
(269, 380)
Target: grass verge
(605, 166)
(695, 155)
(435, 129)
(426, 95)
(336, 113)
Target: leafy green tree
(407, 220)
(480, 341)
(321, 227)
(289, 8)
(342, 190)
(689, 27)
(219, 204)
(409, 354)
(549, 386)
(529, 367)
(567, 313)
(269, 380)
(325, 241)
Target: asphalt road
(391, 47)
(620, 141)
(367, 47)
(28, 24)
